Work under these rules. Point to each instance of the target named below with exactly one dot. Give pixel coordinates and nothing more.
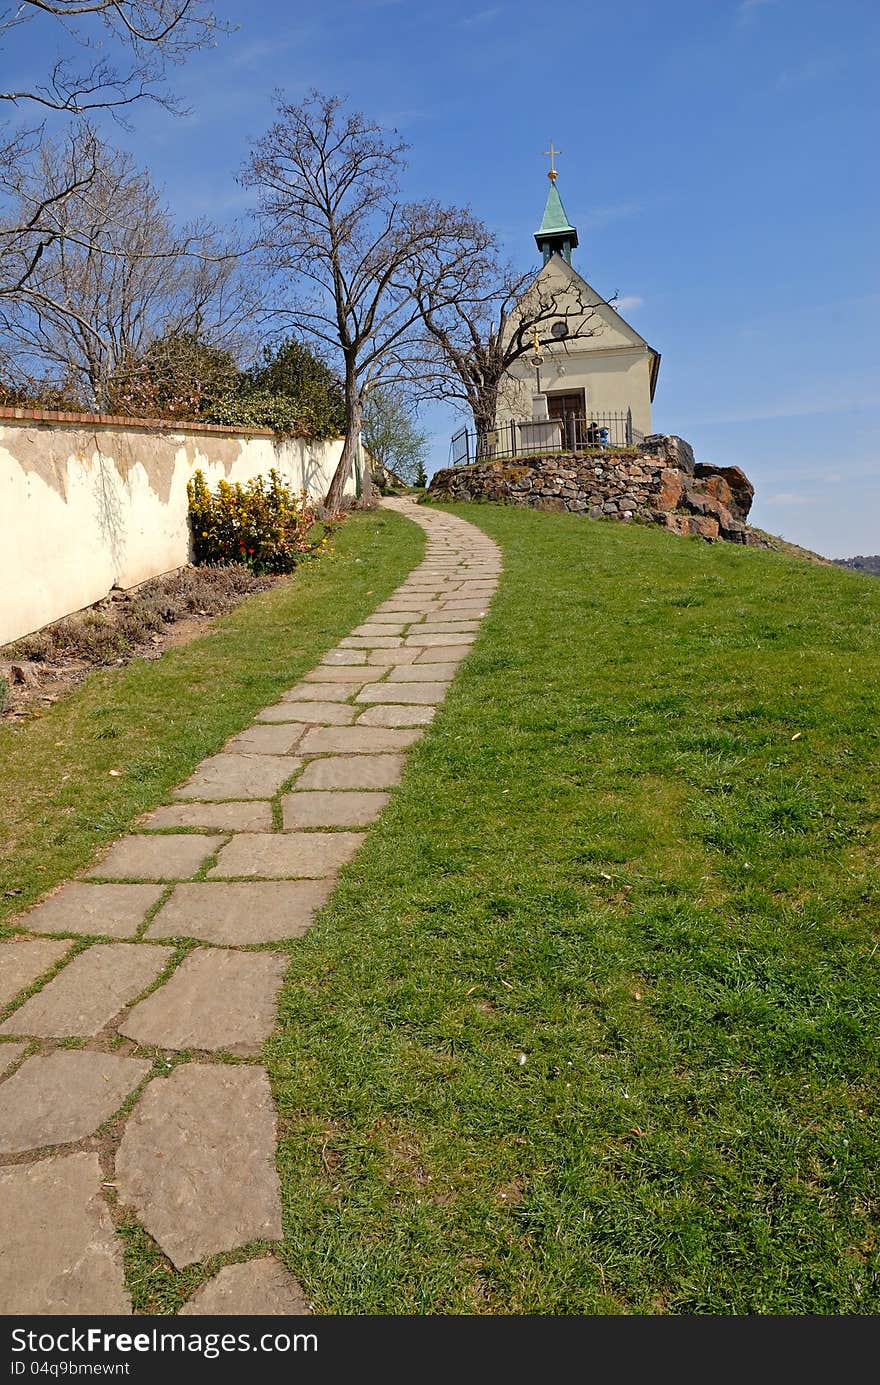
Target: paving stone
(241, 912)
(393, 618)
(424, 694)
(392, 656)
(257, 1288)
(442, 654)
(275, 856)
(332, 809)
(358, 740)
(239, 776)
(366, 631)
(59, 1251)
(421, 673)
(64, 1097)
(112, 911)
(157, 856)
(265, 740)
(10, 1054)
(407, 603)
(353, 772)
(326, 690)
(461, 610)
(371, 642)
(320, 713)
(450, 639)
(22, 960)
(214, 1000)
(385, 714)
(325, 673)
(197, 1161)
(344, 657)
(446, 627)
(90, 990)
(255, 816)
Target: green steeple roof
(555, 219)
(556, 235)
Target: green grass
(590, 1025)
(152, 722)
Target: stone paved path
(150, 956)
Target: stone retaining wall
(657, 481)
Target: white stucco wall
(84, 507)
(613, 364)
(614, 379)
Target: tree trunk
(485, 411)
(333, 498)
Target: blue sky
(719, 162)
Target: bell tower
(555, 235)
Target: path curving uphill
(131, 1080)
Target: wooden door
(569, 409)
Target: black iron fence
(569, 433)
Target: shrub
(177, 376)
(4, 693)
(290, 390)
(261, 524)
(261, 410)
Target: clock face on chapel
(559, 330)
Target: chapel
(607, 378)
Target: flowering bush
(262, 524)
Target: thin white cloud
(815, 70)
(790, 498)
(747, 10)
(603, 216)
(481, 17)
(807, 408)
(628, 303)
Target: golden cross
(552, 153)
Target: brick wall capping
(14, 414)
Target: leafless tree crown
(339, 236)
(473, 338)
(125, 48)
(111, 271)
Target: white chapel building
(608, 377)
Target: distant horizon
(713, 158)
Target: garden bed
(142, 623)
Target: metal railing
(524, 438)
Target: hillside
(590, 1024)
(870, 565)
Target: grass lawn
(591, 1024)
(75, 778)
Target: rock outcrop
(657, 481)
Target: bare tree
(473, 337)
(113, 274)
(126, 47)
(118, 53)
(333, 222)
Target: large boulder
(674, 451)
(727, 484)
